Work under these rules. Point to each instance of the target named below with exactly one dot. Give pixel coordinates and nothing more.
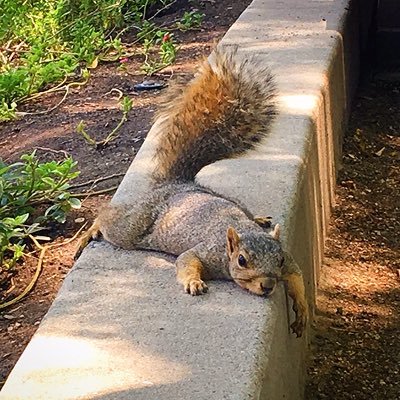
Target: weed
(26, 187)
(190, 20)
(126, 106)
(164, 41)
(7, 110)
(44, 41)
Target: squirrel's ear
(276, 232)
(232, 240)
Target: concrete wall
(121, 328)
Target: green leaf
(21, 219)
(75, 203)
(49, 181)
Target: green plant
(166, 51)
(190, 20)
(7, 111)
(32, 193)
(126, 106)
(43, 42)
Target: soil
(54, 135)
(356, 347)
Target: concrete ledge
(121, 328)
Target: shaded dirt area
(356, 348)
(54, 135)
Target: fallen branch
(89, 194)
(43, 250)
(52, 90)
(33, 280)
(161, 10)
(95, 181)
(23, 113)
(66, 155)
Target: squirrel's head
(255, 259)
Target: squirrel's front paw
(195, 287)
(300, 322)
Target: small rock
(9, 316)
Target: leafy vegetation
(190, 20)
(43, 42)
(126, 106)
(26, 187)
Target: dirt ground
(54, 135)
(356, 347)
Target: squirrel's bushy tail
(224, 111)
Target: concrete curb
(121, 328)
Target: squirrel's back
(224, 111)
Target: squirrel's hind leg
(189, 271)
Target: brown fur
(224, 111)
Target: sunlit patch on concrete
(65, 368)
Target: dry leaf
(94, 63)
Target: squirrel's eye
(242, 261)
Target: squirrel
(224, 111)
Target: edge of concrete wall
(120, 327)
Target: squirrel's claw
(196, 287)
(298, 327)
(299, 324)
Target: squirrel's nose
(267, 289)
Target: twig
(162, 9)
(51, 90)
(33, 280)
(71, 239)
(342, 329)
(112, 135)
(15, 51)
(110, 33)
(21, 113)
(15, 309)
(150, 31)
(120, 94)
(66, 87)
(12, 287)
(88, 194)
(145, 9)
(126, 106)
(66, 155)
(95, 181)
(43, 250)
